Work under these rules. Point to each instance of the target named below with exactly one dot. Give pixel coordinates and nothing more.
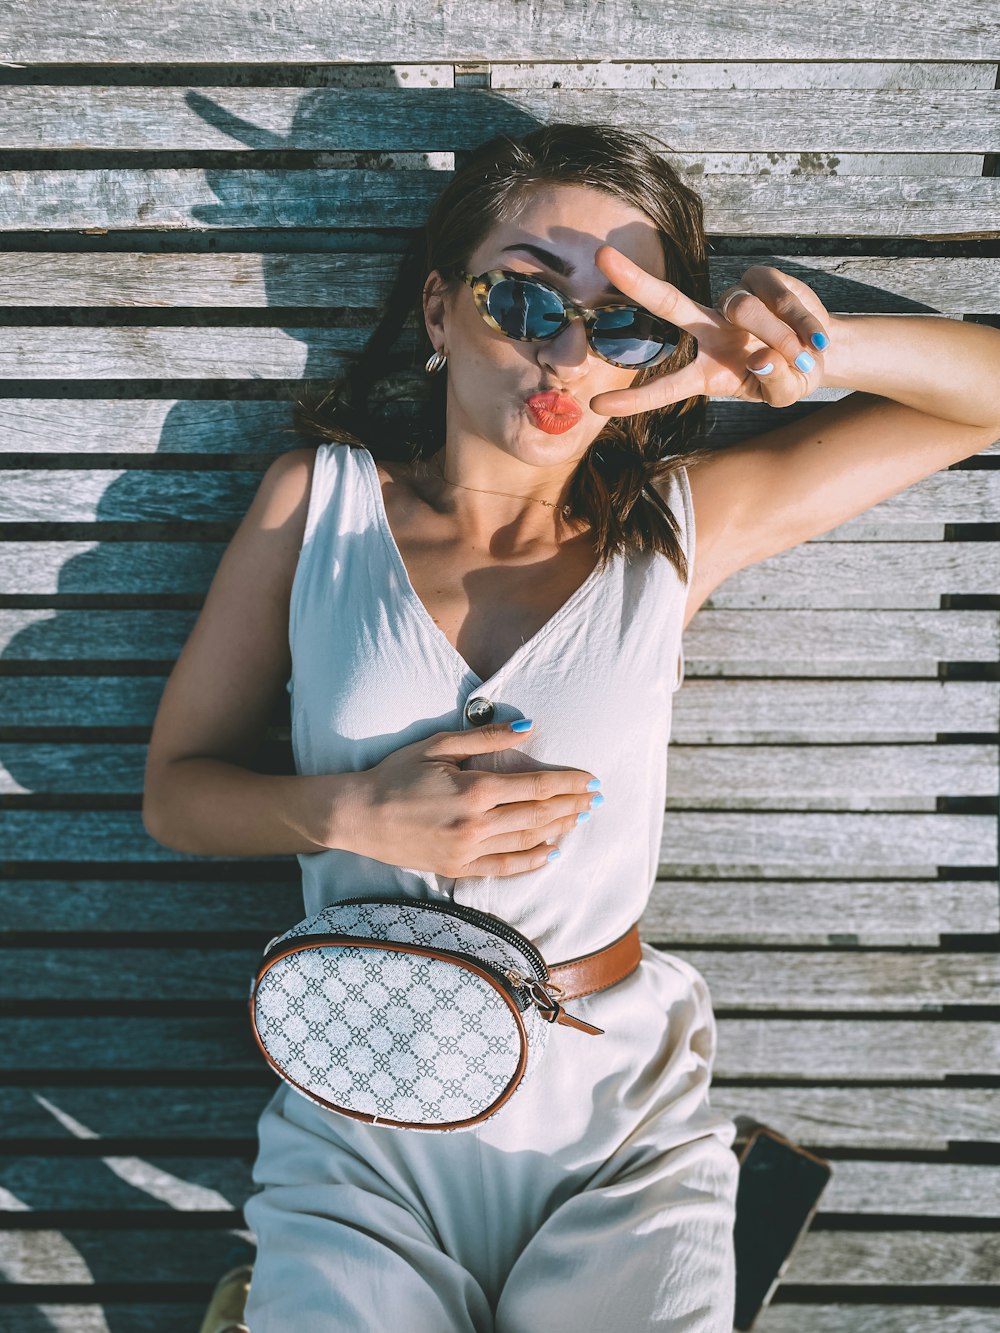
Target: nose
(568, 349)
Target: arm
(927, 396)
(199, 794)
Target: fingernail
(583, 816)
(522, 724)
(598, 800)
(764, 370)
(593, 784)
(553, 854)
(819, 341)
(805, 362)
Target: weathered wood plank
(851, 1049)
(78, 1257)
(165, 907)
(406, 119)
(129, 1184)
(680, 913)
(926, 1119)
(824, 1258)
(760, 642)
(144, 1116)
(871, 284)
(150, 1115)
(855, 777)
(787, 1317)
(887, 912)
(84, 495)
(755, 981)
(227, 427)
(181, 353)
(818, 574)
(185, 199)
(895, 1258)
(294, 32)
(865, 778)
(122, 1317)
(703, 844)
(763, 75)
(768, 845)
(215, 1184)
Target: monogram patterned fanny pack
(416, 1014)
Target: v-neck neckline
(396, 557)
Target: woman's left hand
(772, 325)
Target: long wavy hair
(632, 456)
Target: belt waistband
(598, 970)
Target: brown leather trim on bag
(598, 970)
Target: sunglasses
(530, 310)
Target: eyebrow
(556, 263)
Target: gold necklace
(565, 510)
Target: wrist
(330, 811)
(839, 360)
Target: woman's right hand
(418, 808)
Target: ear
(434, 297)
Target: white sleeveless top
(372, 672)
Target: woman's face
(490, 376)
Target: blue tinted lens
(525, 310)
(633, 337)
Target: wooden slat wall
(180, 244)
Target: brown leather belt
(593, 972)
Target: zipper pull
(552, 1010)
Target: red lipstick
(554, 412)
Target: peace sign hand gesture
(770, 318)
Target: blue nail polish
(522, 724)
(805, 362)
(765, 370)
(598, 800)
(583, 816)
(553, 854)
(819, 341)
(593, 784)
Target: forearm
(944, 367)
(209, 807)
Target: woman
(534, 557)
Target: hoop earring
(435, 362)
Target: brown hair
(490, 186)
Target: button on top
(479, 711)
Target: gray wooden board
(129, 1183)
(850, 1049)
(215, 1184)
(711, 843)
(158, 1315)
(720, 642)
(787, 1317)
(924, 1118)
(78, 1256)
(860, 777)
(716, 120)
(754, 981)
(231, 198)
(764, 75)
(681, 913)
(774, 711)
(873, 284)
(137, 495)
(40, 32)
(229, 427)
(816, 575)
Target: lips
(552, 404)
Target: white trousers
(551, 1219)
